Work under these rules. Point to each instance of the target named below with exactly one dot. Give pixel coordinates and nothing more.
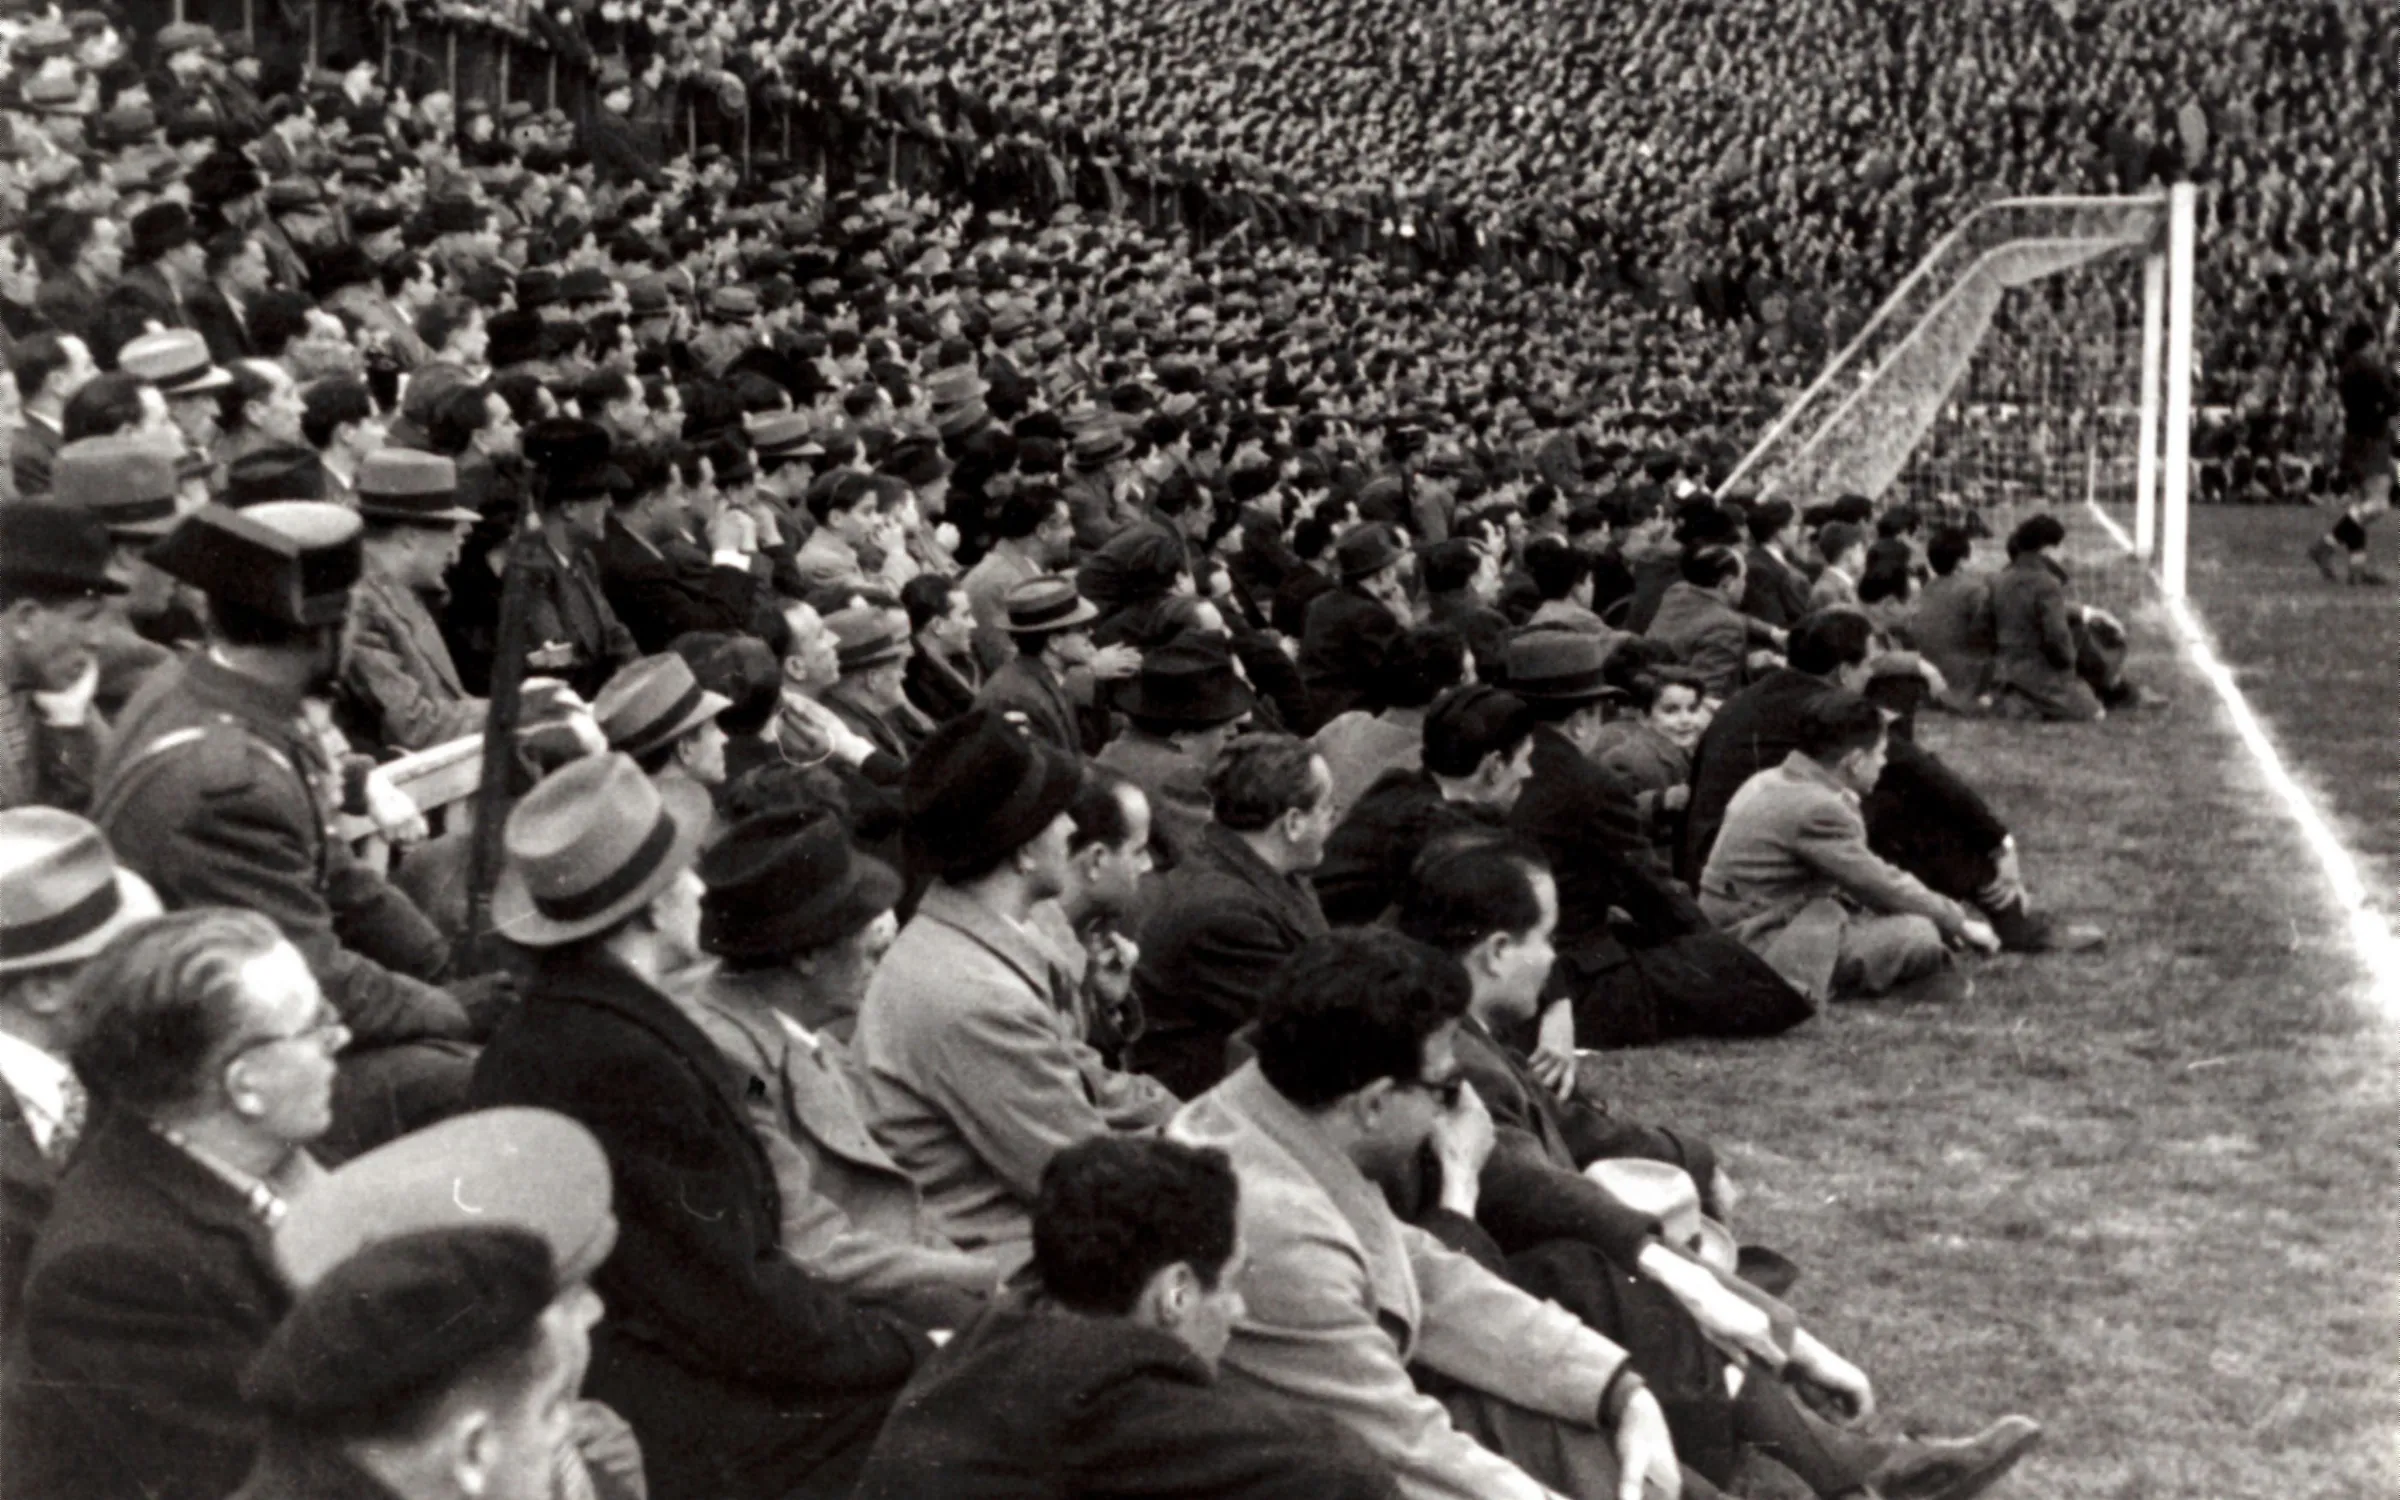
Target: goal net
(2005, 372)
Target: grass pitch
(2145, 1195)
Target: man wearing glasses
(1357, 1072)
(209, 1052)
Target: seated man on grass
(1791, 874)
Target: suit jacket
(1951, 623)
(986, 587)
(1367, 858)
(151, 1286)
(396, 670)
(741, 1373)
(32, 449)
(1361, 748)
(1485, 628)
(1599, 851)
(1175, 784)
(895, 731)
(938, 689)
(1220, 926)
(1776, 591)
(1023, 685)
(217, 320)
(1792, 857)
(28, 1182)
(1035, 1400)
(849, 1213)
(1712, 637)
(1340, 649)
(365, 308)
(214, 795)
(1343, 1298)
(2034, 638)
(661, 593)
(970, 1075)
(73, 305)
(1532, 1188)
(565, 603)
(1754, 729)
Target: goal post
(2039, 354)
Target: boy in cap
(742, 1374)
(217, 793)
(970, 1076)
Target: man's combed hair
(1114, 1211)
(1353, 1007)
(1467, 886)
(1828, 640)
(1468, 724)
(1836, 723)
(1098, 811)
(1260, 777)
(159, 999)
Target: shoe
(2365, 572)
(2328, 559)
(1950, 986)
(1955, 1468)
(2022, 931)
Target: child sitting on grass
(1653, 757)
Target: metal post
(550, 90)
(2174, 526)
(450, 64)
(2154, 339)
(508, 50)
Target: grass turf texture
(2143, 1195)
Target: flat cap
(290, 560)
(402, 1318)
(533, 1170)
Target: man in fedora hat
(213, 1055)
(348, 1380)
(54, 588)
(218, 794)
(1639, 960)
(397, 674)
(873, 647)
(657, 712)
(1601, 1214)
(131, 482)
(970, 1075)
(1349, 628)
(175, 363)
(62, 897)
(743, 1374)
(798, 921)
(1050, 682)
(1182, 709)
(1239, 905)
(1100, 485)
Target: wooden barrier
(434, 777)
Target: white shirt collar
(797, 1032)
(40, 1082)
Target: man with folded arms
(743, 1375)
(798, 921)
(1357, 1071)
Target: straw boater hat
(590, 846)
(1665, 1192)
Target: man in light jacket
(1356, 1072)
(970, 1071)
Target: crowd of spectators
(1065, 789)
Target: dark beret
(400, 1319)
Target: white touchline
(2377, 947)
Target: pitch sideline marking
(2378, 948)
